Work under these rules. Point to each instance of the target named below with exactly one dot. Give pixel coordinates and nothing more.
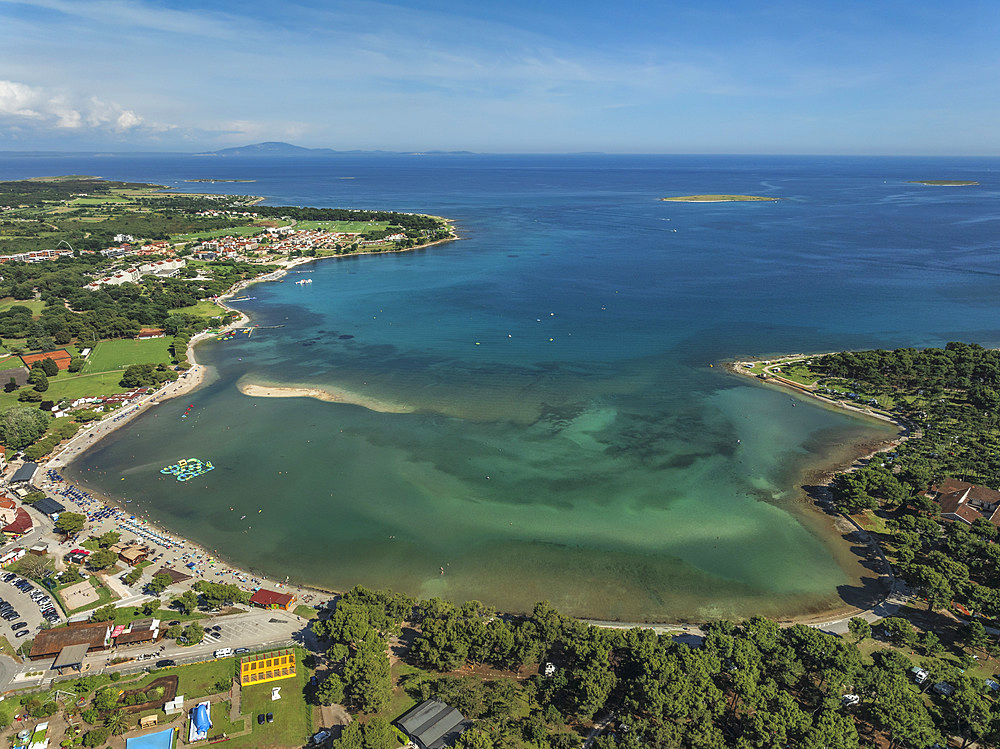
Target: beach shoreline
(199, 374)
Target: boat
(304, 281)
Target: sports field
(108, 356)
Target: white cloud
(60, 110)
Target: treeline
(37, 192)
(404, 220)
(951, 395)
(110, 311)
(749, 685)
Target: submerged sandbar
(329, 394)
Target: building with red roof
(268, 599)
(966, 502)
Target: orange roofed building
(966, 502)
(60, 356)
(268, 599)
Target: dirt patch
(169, 684)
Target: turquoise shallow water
(583, 451)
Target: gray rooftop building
(24, 474)
(433, 725)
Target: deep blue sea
(563, 435)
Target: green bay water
(568, 439)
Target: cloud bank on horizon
(776, 76)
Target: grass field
(291, 726)
(347, 227)
(204, 308)
(198, 679)
(109, 356)
(35, 305)
(235, 231)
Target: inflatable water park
(188, 468)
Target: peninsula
(720, 199)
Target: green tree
(20, 426)
(161, 581)
(49, 367)
(103, 614)
(101, 559)
(150, 607)
(194, 633)
(331, 691)
(95, 737)
(106, 700)
(117, 722)
(70, 523)
(40, 381)
(859, 628)
(366, 674)
(106, 540)
(186, 602)
(975, 636)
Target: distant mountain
(277, 148)
(271, 148)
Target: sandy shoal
(330, 394)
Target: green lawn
(73, 386)
(108, 356)
(798, 372)
(291, 726)
(35, 305)
(203, 308)
(234, 231)
(347, 227)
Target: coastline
(200, 373)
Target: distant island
(220, 180)
(944, 182)
(278, 148)
(718, 198)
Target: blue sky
(834, 77)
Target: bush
(75, 364)
(92, 716)
(95, 737)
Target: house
(20, 525)
(146, 333)
(433, 725)
(268, 599)
(49, 643)
(49, 506)
(131, 553)
(137, 633)
(24, 474)
(964, 502)
(8, 510)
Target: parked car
(270, 717)
(260, 719)
(19, 625)
(241, 651)
(8, 577)
(22, 633)
(166, 663)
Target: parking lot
(29, 612)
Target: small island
(719, 199)
(220, 180)
(943, 182)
